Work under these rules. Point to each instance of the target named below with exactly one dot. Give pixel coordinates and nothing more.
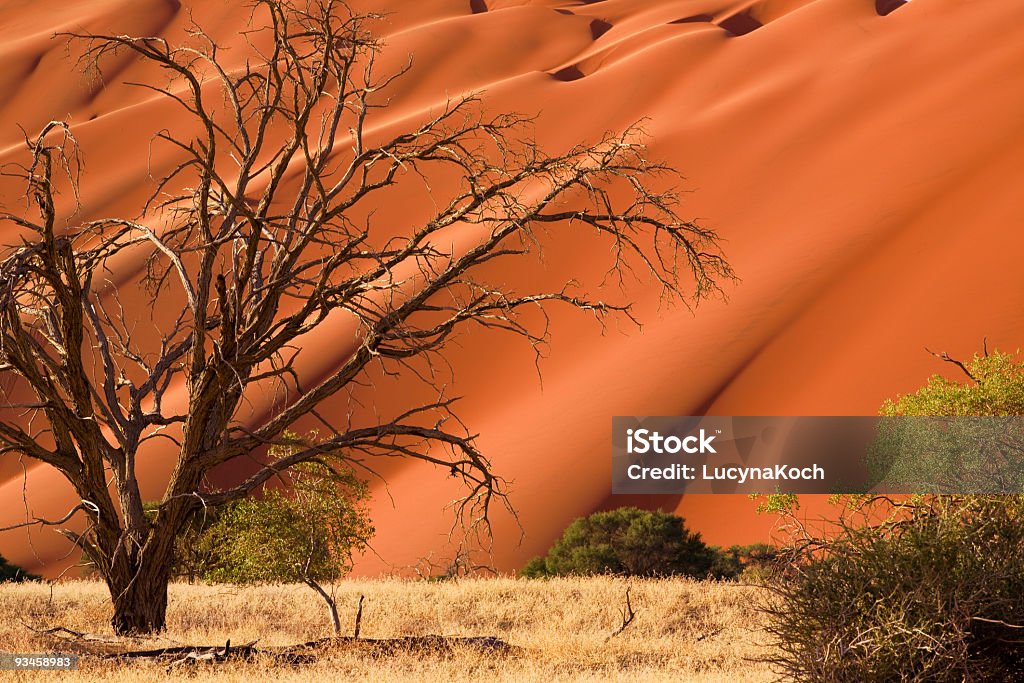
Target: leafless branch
(261, 236)
(946, 357)
(628, 615)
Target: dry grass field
(683, 630)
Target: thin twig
(628, 615)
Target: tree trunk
(332, 606)
(140, 605)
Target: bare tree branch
(946, 357)
(261, 235)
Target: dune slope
(861, 158)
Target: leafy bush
(307, 533)
(757, 562)
(927, 589)
(628, 542)
(921, 588)
(995, 387)
(304, 533)
(935, 440)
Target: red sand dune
(862, 159)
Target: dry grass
(684, 630)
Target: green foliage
(948, 454)
(9, 572)
(997, 389)
(917, 590)
(536, 568)
(777, 503)
(955, 437)
(755, 562)
(921, 588)
(627, 542)
(307, 533)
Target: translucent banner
(674, 455)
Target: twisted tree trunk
(140, 601)
(138, 579)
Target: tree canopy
(626, 541)
(994, 386)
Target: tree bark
(332, 606)
(140, 601)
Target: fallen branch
(75, 635)
(222, 651)
(709, 634)
(300, 654)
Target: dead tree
(253, 244)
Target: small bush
(754, 563)
(923, 588)
(956, 437)
(306, 534)
(995, 387)
(627, 542)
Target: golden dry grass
(684, 630)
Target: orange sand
(863, 168)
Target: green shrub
(627, 542)
(536, 568)
(928, 589)
(935, 440)
(304, 534)
(307, 533)
(757, 562)
(995, 386)
(921, 588)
